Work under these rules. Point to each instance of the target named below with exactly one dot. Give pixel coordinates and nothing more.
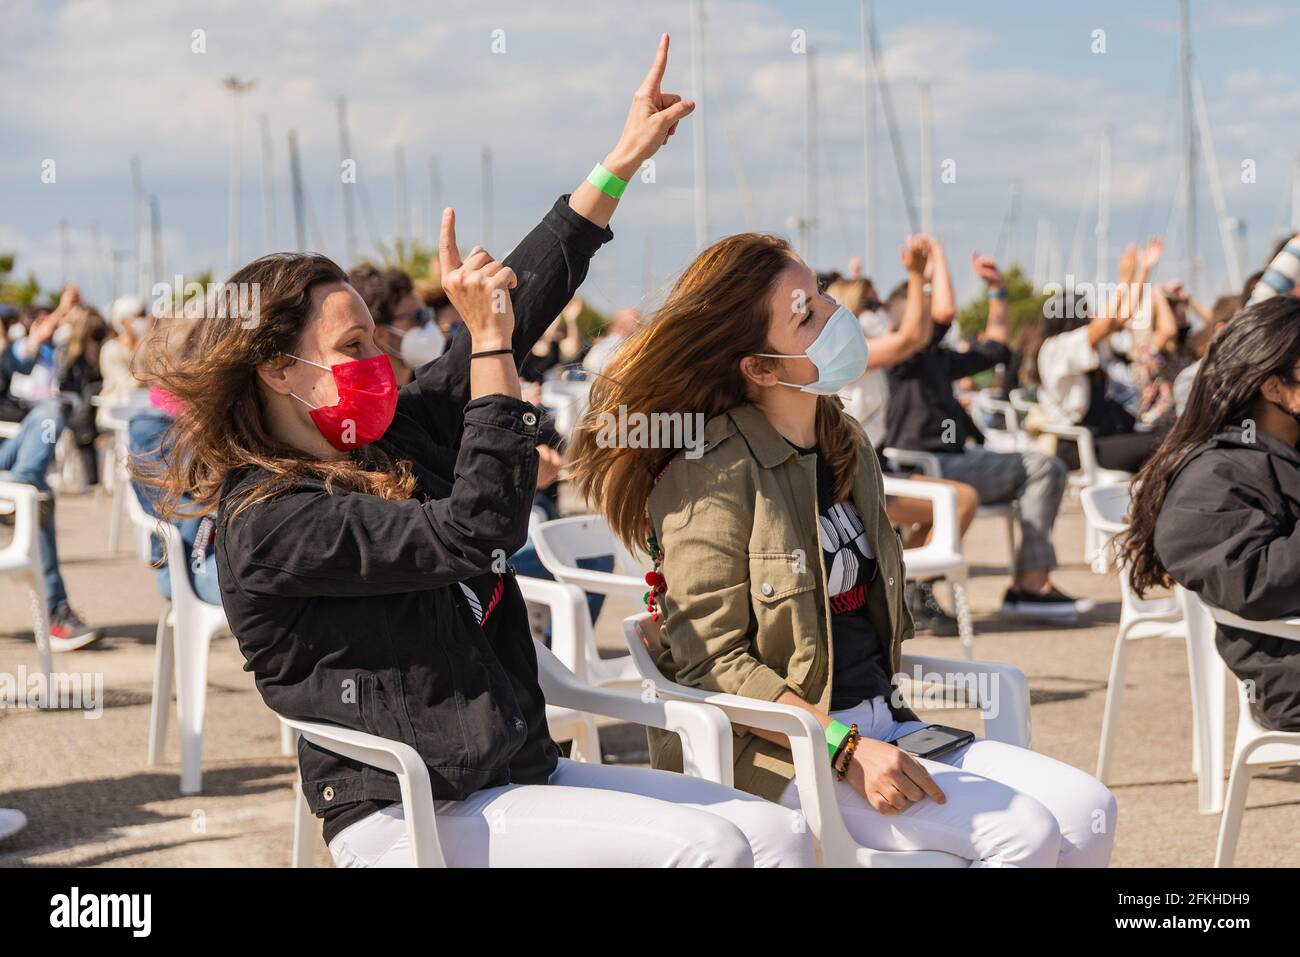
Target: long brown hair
(222, 427)
(685, 359)
(1261, 342)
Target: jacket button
(767, 589)
(328, 793)
(530, 418)
(519, 724)
(891, 583)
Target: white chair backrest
(1107, 506)
(584, 536)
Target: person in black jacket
(362, 537)
(1217, 508)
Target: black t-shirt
(924, 415)
(860, 672)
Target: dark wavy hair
(223, 427)
(1262, 341)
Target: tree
(1024, 306)
(20, 293)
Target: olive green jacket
(746, 610)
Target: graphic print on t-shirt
(850, 562)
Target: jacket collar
(1234, 435)
(768, 445)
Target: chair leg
(163, 672)
(304, 827)
(586, 742)
(1233, 808)
(965, 626)
(1114, 691)
(1206, 671)
(191, 651)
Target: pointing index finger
(448, 254)
(652, 79)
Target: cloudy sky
(1020, 101)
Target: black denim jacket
(349, 608)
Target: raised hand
(914, 253)
(651, 119)
(1150, 254)
(1128, 263)
(986, 267)
(479, 288)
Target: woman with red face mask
(362, 532)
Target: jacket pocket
(783, 592)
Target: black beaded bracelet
(491, 352)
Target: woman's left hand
(651, 120)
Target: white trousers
(593, 815)
(1006, 806)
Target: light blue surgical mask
(839, 353)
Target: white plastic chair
(115, 420)
(567, 401)
(705, 734)
(928, 465)
(21, 559)
(1208, 676)
(1256, 747)
(1006, 718)
(942, 555)
(1106, 507)
(1008, 438)
(186, 628)
(560, 545)
(185, 634)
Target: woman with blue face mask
(777, 574)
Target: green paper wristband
(606, 182)
(836, 732)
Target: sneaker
(1052, 604)
(927, 613)
(68, 632)
(11, 822)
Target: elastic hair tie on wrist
(490, 352)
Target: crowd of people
(346, 469)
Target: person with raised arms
(361, 536)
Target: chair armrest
(570, 620)
(1009, 413)
(26, 499)
(946, 532)
(397, 758)
(704, 730)
(1288, 628)
(925, 461)
(1082, 438)
(1002, 694)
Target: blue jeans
(27, 457)
(527, 563)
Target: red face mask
(366, 406)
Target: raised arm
(913, 332)
(552, 260)
(997, 328)
(943, 308)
